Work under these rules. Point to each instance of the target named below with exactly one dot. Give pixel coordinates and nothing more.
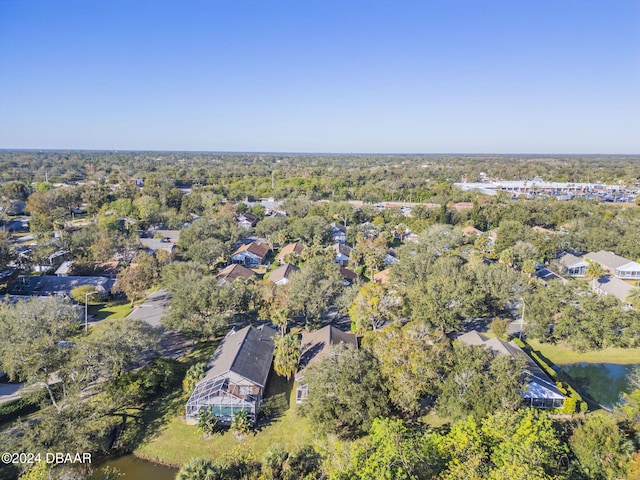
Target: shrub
(207, 422)
(240, 423)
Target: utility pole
(522, 320)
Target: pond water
(135, 468)
(603, 381)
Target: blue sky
(430, 76)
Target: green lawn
(110, 310)
(561, 354)
(167, 439)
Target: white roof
(630, 267)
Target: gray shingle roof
(54, 285)
(285, 271)
(608, 260)
(316, 344)
(247, 352)
(616, 287)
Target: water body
(605, 382)
(137, 469)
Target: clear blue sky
(521, 76)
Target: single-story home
(293, 249)
(610, 285)
(280, 276)
(46, 285)
(236, 377)
(247, 220)
(575, 266)
(314, 346)
(64, 269)
(348, 276)
(233, 272)
(251, 254)
(382, 277)
(615, 264)
(540, 391)
(342, 254)
(155, 244)
(338, 233)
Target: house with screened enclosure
(236, 377)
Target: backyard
(164, 437)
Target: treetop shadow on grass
(140, 429)
(276, 400)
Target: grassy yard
(110, 310)
(561, 354)
(167, 439)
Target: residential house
(540, 390)
(251, 254)
(314, 346)
(462, 206)
(342, 254)
(382, 277)
(348, 276)
(236, 377)
(338, 233)
(575, 266)
(615, 264)
(292, 249)
(234, 271)
(471, 231)
(59, 286)
(280, 276)
(610, 285)
(390, 258)
(247, 220)
(155, 244)
(172, 236)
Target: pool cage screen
(214, 395)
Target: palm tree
(240, 423)
(197, 469)
(286, 355)
(594, 272)
(634, 298)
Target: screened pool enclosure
(222, 398)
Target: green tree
(371, 308)
(80, 293)
(200, 306)
(480, 383)
(600, 448)
(413, 367)
(137, 277)
(594, 271)
(207, 422)
(314, 288)
(286, 355)
(240, 423)
(30, 336)
(346, 392)
(499, 327)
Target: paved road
(153, 309)
(9, 392)
(172, 344)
